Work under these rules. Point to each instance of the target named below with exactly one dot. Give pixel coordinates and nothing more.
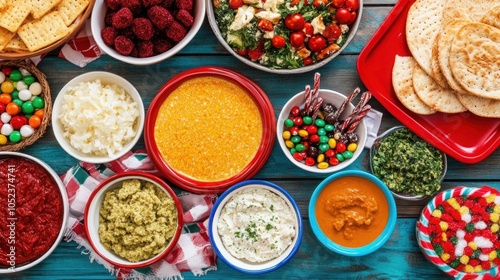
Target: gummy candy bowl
(24, 119)
(150, 45)
(458, 232)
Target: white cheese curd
(257, 225)
(318, 24)
(270, 16)
(98, 119)
(243, 16)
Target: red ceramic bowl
(267, 140)
(92, 218)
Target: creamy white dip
(257, 225)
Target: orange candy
(40, 113)
(13, 109)
(35, 121)
(5, 98)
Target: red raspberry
(160, 17)
(108, 35)
(184, 4)
(149, 3)
(143, 28)
(123, 45)
(123, 18)
(176, 32)
(145, 48)
(112, 4)
(184, 17)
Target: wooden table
(399, 258)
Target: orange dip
(352, 211)
(208, 129)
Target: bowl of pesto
(411, 168)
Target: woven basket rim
(40, 77)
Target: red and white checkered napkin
(82, 48)
(193, 251)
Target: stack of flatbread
(455, 62)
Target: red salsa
(31, 211)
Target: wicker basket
(46, 97)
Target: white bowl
(65, 206)
(106, 78)
(329, 96)
(243, 265)
(213, 24)
(91, 216)
(97, 24)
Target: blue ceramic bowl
(353, 251)
(243, 265)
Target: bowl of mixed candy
(286, 36)
(458, 232)
(320, 130)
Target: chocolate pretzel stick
(350, 97)
(357, 119)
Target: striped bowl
(424, 241)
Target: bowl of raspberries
(144, 32)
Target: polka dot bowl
(427, 239)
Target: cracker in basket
(43, 32)
(69, 10)
(40, 7)
(5, 37)
(3, 4)
(422, 26)
(433, 95)
(16, 45)
(474, 59)
(12, 17)
(402, 83)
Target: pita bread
(447, 35)
(422, 26)
(434, 96)
(484, 107)
(475, 59)
(436, 72)
(403, 85)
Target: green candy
(15, 136)
(15, 75)
(323, 139)
(295, 139)
(329, 127)
(18, 101)
(28, 107)
(300, 148)
(347, 154)
(469, 227)
(307, 120)
(38, 102)
(14, 94)
(288, 123)
(340, 157)
(321, 131)
(319, 122)
(29, 79)
(293, 150)
(438, 249)
(324, 147)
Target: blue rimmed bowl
(361, 250)
(242, 264)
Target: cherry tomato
(307, 61)
(294, 21)
(256, 53)
(235, 4)
(295, 2)
(308, 29)
(242, 52)
(352, 5)
(332, 32)
(343, 16)
(316, 43)
(338, 3)
(297, 39)
(353, 17)
(265, 25)
(320, 3)
(278, 41)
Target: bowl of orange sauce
(352, 213)
(209, 128)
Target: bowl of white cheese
(255, 227)
(98, 117)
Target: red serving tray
(466, 137)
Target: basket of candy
(25, 104)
